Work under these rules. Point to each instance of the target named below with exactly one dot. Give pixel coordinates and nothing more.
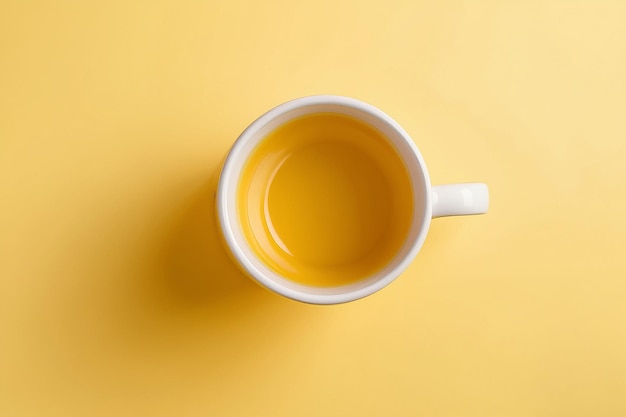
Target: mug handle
(460, 199)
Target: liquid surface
(325, 200)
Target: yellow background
(117, 300)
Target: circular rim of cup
(237, 152)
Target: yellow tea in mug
(325, 200)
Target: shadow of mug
(187, 293)
(196, 267)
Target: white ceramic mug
(433, 201)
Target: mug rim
(237, 152)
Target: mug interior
(231, 175)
